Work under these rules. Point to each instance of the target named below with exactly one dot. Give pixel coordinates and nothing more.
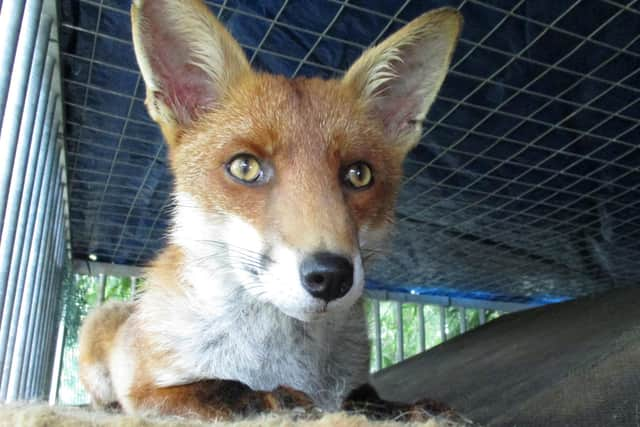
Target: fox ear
(186, 57)
(400, 78)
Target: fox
(283, 187)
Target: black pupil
(245, 166)
(357, 172)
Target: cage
(523, 191)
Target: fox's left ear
(400, 78)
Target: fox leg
(214, 399)
(365, 400)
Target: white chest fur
(258, 345)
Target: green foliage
(75, 306)
(411, 328)
(118, 288)
(81, 293)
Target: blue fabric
(539, 199)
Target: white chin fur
(280, 284)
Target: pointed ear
(187, 59)
(400, 78)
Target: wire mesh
(524, 185)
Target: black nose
(327, 276)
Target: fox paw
(422, 410)
(287, 398)
(366, 401)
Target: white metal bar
(18, 212)
(27, 208)
(57, 321)
(37, 357)
(52, 322)
(51, 136)
(16, 96)
(378, 333)
(421, 332)
(11, 15)
(34, 372)
(399, 332)
(102, 284)
(443, 324)
(47, 279)
(35, 266)
(24, 151)
(41, 305)
(134, 285)
(21, 138)
(47, 356)
(57, 364)
(35, 293)
(38, 201)
(462, 312)
(42, 323)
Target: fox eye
(358, 176)
(245, 168)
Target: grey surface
(570, 364)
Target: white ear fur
(186, 57)
(400, 78)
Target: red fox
(281, 186)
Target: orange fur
(97, 337)
(211, 107)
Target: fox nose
(327, 276)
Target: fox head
(282, 185)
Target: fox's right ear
(186, 57)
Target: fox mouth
(323, 308)
(303, 284)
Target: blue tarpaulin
(524, 185)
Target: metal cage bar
(421, 331)
(38, 355)
(38, 266)
(46, 358)
(37, 203)
(400, 332)
(439, 315)
(25, 151)
(41, 307)
(30, 259)
(18, 133)
(10, 19)
(57, 364)
(378, 333)
(34, 167)
(15, 98)
(27, 209)
(37, 309)
(48, 284)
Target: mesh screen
(525, 183)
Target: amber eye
(245, 167)
(358, 176)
